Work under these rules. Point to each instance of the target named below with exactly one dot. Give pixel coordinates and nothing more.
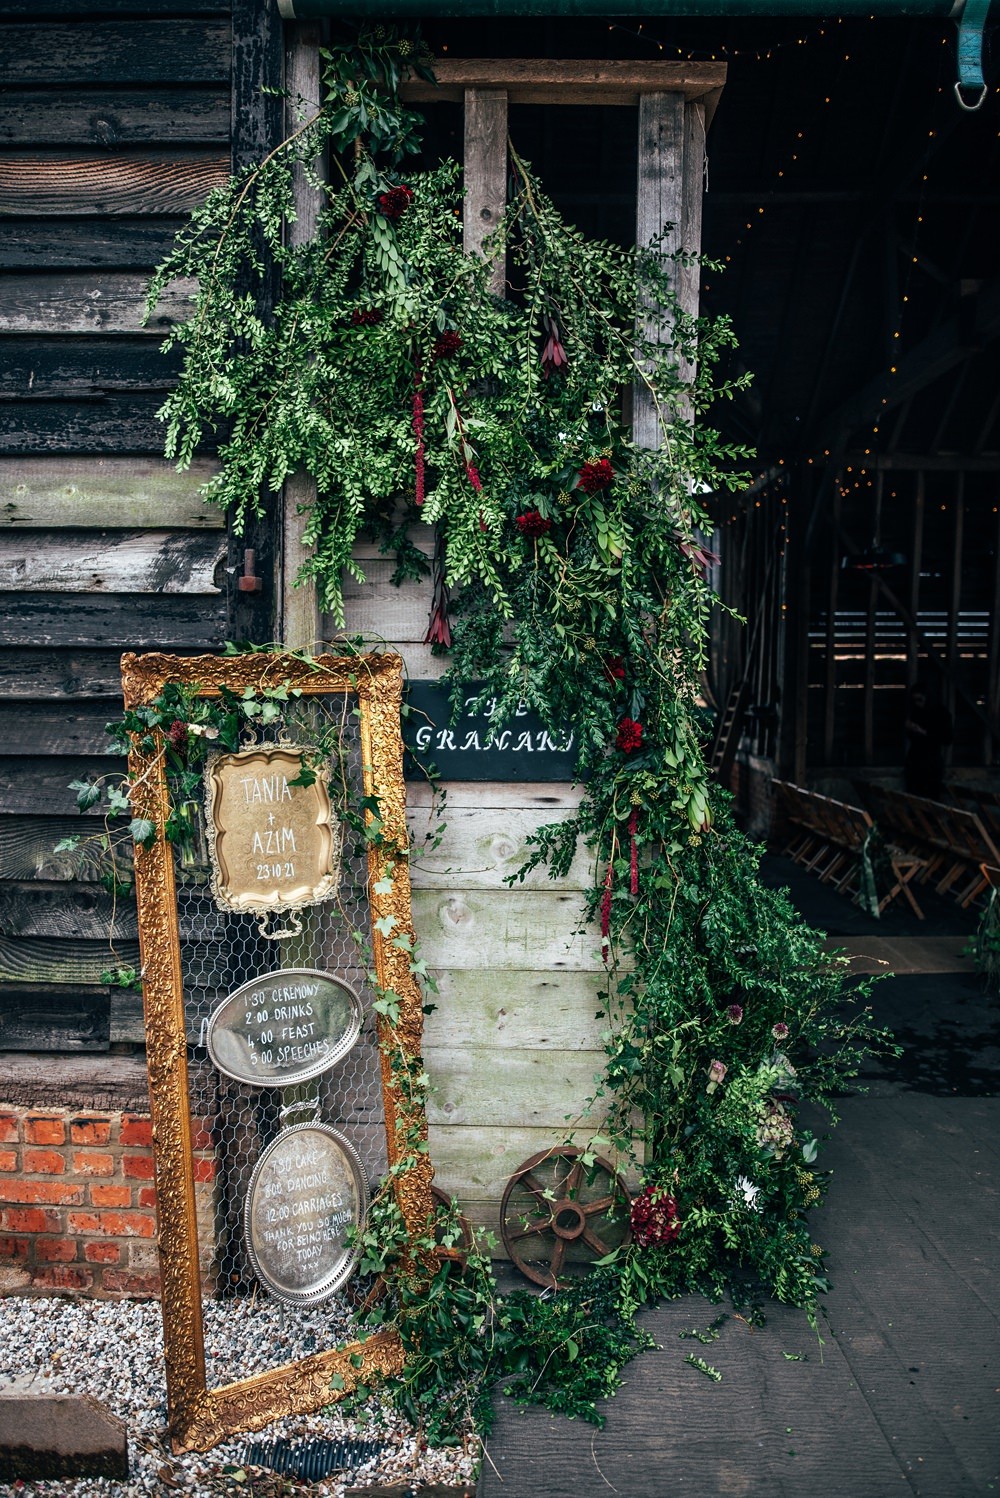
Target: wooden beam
(830, 646)
(256, 127)
(62, 183)
(955, 590)
(117, 52)
(916, 558)
(115, 117)
(485, 174)
(993, 651)
(299, 621)
(539, 80)
(668, 212)
(106, 494)
(129, 562)
(85, 302)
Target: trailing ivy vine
(571, 575)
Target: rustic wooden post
(993, 653)
(670, 177)
(299, 622)
(485, 173)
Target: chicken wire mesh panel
(233, 1123)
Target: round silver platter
(284, 1027)
(307, 1191)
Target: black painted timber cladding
(114, 123)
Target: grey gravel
(114, 1350)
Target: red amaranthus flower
(394, 203)
(532, 523)
(629, 735)
(596, 476)
(449, 343)
(472, 474)
(418, 432)
(654, 1217)
(367, 317)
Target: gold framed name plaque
(272, 839)
(223, 1147)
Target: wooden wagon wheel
(557, 1208)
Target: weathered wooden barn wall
(514, 1045)
(113, 127)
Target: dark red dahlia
(367, 317)
(531, 523)
(629, 735)
(614, 669)
(394, 203)
(449, 343)
(654, 1217)
(597, 476)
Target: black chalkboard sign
(469, 748)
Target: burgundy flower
(734, 1014)
(177, 734)
(594, 477)
(553, 354)
(531, 523)
(629, 735)
(780, 1030)
(654, 1218)
(367, 317)
(449, 343)
(614, 669)
(394, 203)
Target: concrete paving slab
(59, 1435)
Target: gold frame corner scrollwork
(200, 1417)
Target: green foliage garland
(388, 371)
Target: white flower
(751, 1194)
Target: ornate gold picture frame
(200, 1416)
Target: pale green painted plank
(480, 848)
(498, 930)
(478, 1085)
(550, 1012)
(106, 494)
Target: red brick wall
(78, 1201)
